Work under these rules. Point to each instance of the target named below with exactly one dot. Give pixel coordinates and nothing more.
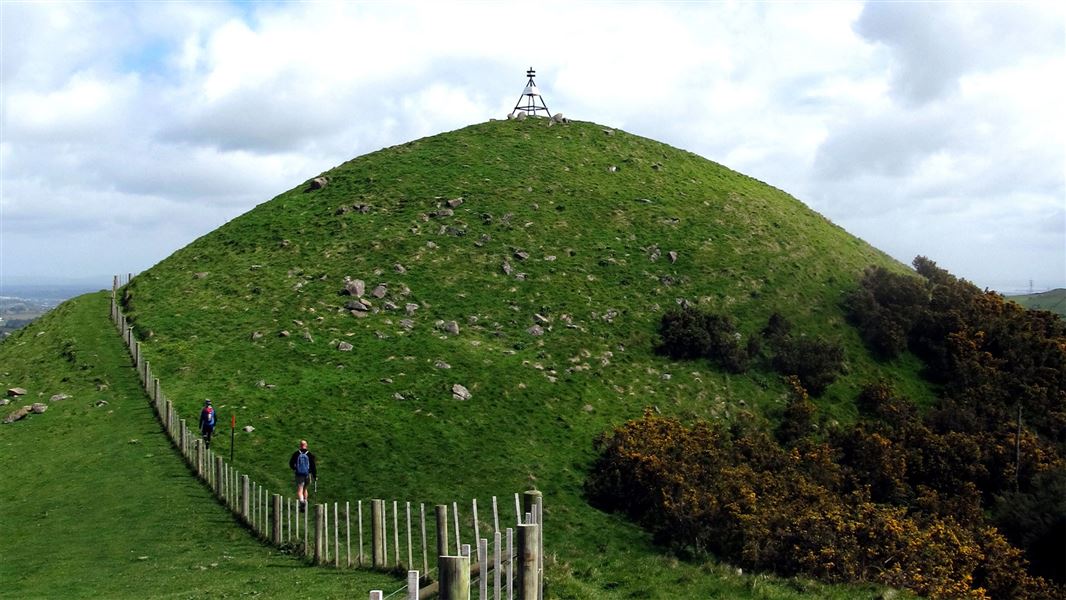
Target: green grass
(1052, 300)
(97, 504)
(381, 417)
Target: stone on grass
(38, 407)
(507, 270)
(455, 202)
(380, 291)
(15, 392)
(521, 254)
(355, 287)
(410, 307)
(540, 319)
(451, 327)
(248, 429)
(407, 324)
(317, 183)
(399, 268)
(58, 397)
(256, 335)
(440, 364)
(459, 392)
(673, 256)
(535, 330)
(17, 415)
(345, 347)
(200, 275)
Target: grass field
(1052, 300)
(97, 504)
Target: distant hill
(530, 264)
(1051, 300)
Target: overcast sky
(130, 129)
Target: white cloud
(931, 129)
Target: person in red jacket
(302, 463)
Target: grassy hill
(568, 229)
(97, 504)
(1051, 300)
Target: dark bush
(687, 333)
(815, 361)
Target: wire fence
(506, 563)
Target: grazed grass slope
(588, 217)
(1051, 300)
(97, 504)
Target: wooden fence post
(376, 595)
(412, 585)
(454, 578)
(246, 492)
(276, 514)
(320, 530)
(442, 530)
(377, 533)
(533, 503)
(483, 572)
(529, 559)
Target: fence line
(269, 516)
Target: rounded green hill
(529, 264)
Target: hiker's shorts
(301, 479)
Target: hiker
(207, 423)
(303, 466)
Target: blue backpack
(303, 464)
(210, 420)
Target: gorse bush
(745, 498)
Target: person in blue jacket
(302, 463)
(207, 423)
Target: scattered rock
(459, 392)
(389, 305)
(5, 401)
(535, 330)
(317, 183)
(256, 335)
(58, 397)
(38, 407)
(540, 319)
(398, 396)
(15, 392)
(549, 258)
(380, 291)
(307, 336)
(559, 118)
(452, 327)
(665, 376)
(358, 305)
(399, 268)
(345, 347)
(248, 429)
(102, 387)
(672, 255)
(612, 169)
(522, 116)
(101, 403)
(410, 308)
(654, 253)
(407, 324)
(507, 269)
(588, 408)
(17, 415)
(521, 255)
(520, 276)
(355, 287)
(431, 245)
(610, 315)
(609, 131)
(440, 364)
(284, 333)
(261, 383)
(455, 203)
(200, 275)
